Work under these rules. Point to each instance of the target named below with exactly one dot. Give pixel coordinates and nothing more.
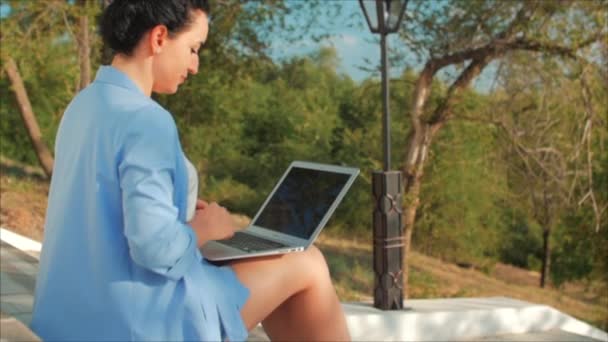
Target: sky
(4, 9)
(354, 43)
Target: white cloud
(350, 40)
(341, 40)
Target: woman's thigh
(272, 280)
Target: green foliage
(12, 131)
(581, 251)
(571, 259)
(38, 35)
(521, 243)
(461, 216)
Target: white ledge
(460, 319)
(27, 245)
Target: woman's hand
(211, 222)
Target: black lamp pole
(386, 113)
(386, 184)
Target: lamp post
(384, 17)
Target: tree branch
(84, 47)
(590, 113)
(502, 45)
(442, 112)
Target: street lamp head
(383, 16)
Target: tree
(42, 152)
(83, 40)
(467, 36)
(31, 33)
(551, 125)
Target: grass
(433, 278)
(350, 266)
(23, 198)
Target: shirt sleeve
(157, 240)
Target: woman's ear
(157, 38)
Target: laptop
(292, 216)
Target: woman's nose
(193, 68)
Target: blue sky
(4, 9)
(354, 43)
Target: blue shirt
(118, 260)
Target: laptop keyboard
(250, 243)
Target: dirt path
(23, 199)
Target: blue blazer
(118, 260)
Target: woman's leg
(292, 295)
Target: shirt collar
(111, 75)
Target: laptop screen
(301, 201)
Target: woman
(120, 258)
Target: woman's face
(177, 57)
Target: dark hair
(124, 22)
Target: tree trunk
(415, 158)
(544, 276)
(423, 132)
(418, 145)
(84, 47)
(409, 217)
(29, 119)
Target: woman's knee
(316, 256)
(314, 264)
